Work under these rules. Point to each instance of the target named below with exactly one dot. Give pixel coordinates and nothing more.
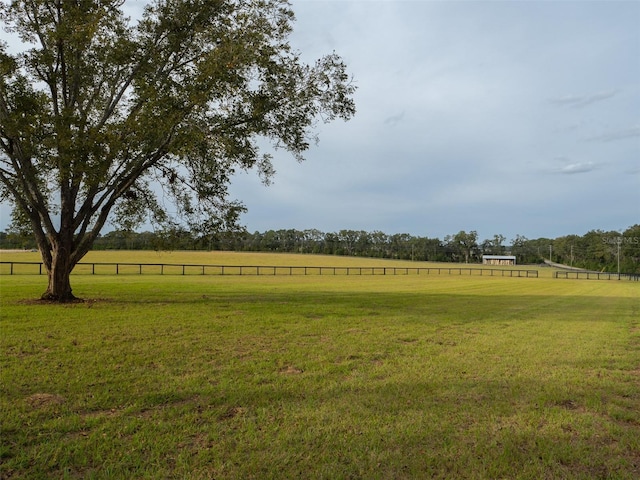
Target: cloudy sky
(504, 117)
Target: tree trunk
(59, 289)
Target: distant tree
(600, 249)
(400, 245)
(347, 240)
(331, 244)
(379, 244)
(465, 243)
(18, 234)
(432, 250)
(530, 251)
(270, 241)
(105, 118)
(313, 241)
(251, 242)
(567, 249)
(494, 246)
(630, 250)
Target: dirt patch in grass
(43, 400)
(232, 412)
(568, 404)
(291, 370)
(111, 412)
(571, 405)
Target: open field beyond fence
(330, 377)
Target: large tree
(105, 118)
(465, 243)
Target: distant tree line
(596, 250)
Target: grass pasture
(320, 377)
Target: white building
(498, 259)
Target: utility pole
(550, 253)
(619, 242)
(572, 255)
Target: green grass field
(201, 377)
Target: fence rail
(116, 268)
(37, 268)
(597, 276)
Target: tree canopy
(606, 251)
(106, 118)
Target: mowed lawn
(320, 377)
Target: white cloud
(578, 167)
(580, 101)
(614, 135)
